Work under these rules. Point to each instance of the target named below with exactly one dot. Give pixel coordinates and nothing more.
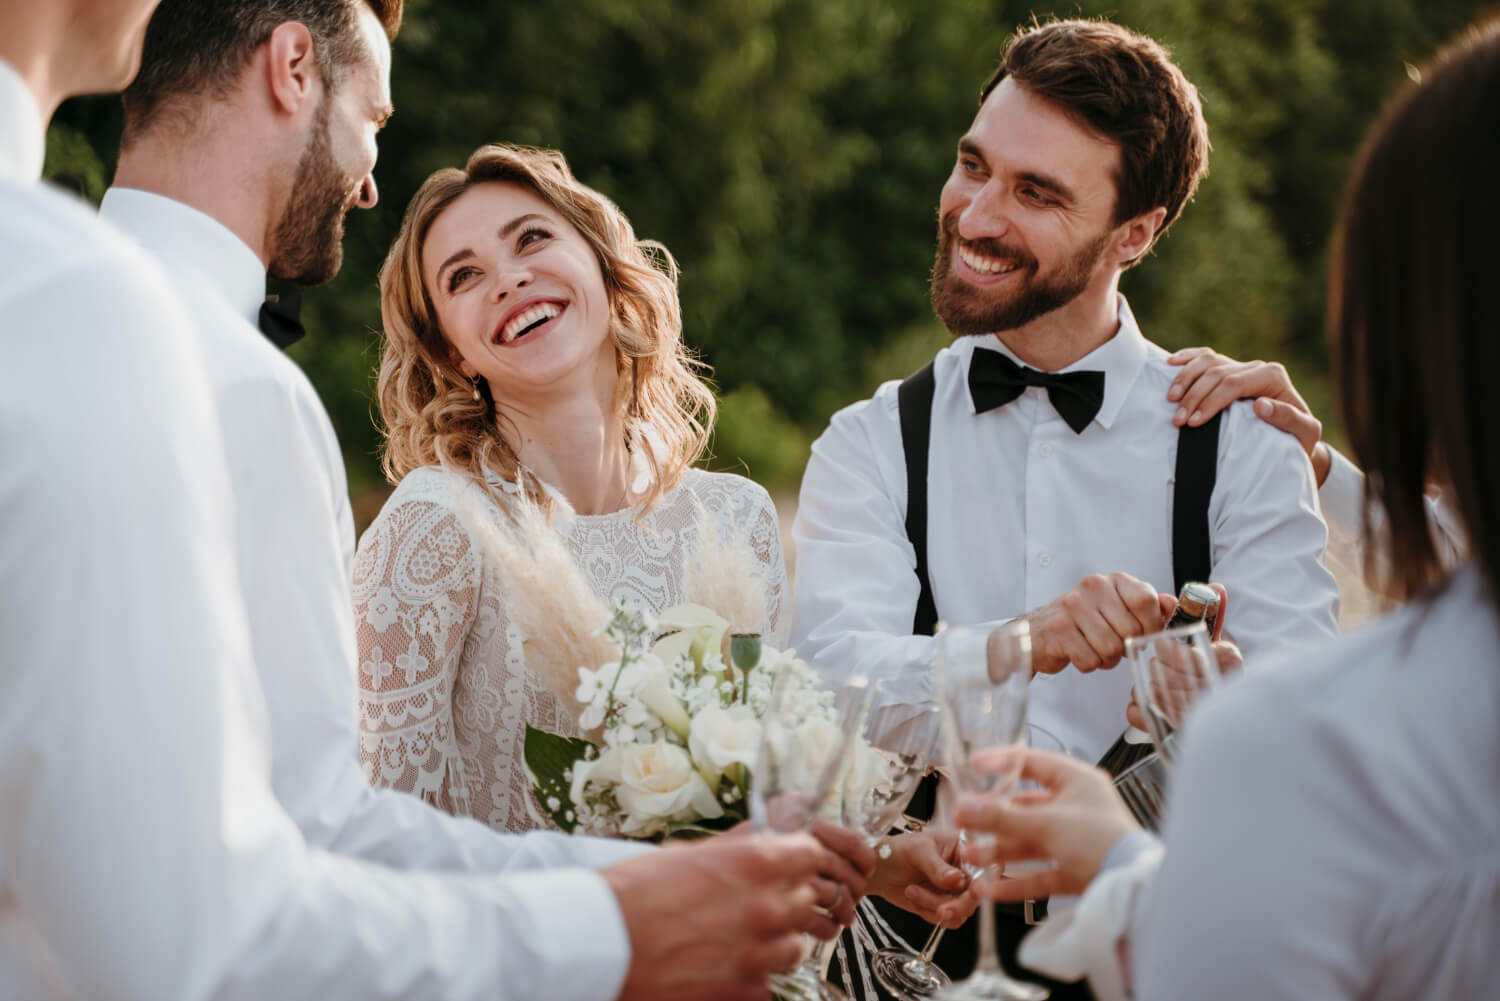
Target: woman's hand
(1209, 382)
(921, 875)
(1073, 820)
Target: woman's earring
(476, 387)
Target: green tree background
(790, 153)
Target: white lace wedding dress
(445, 692)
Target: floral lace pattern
(445, 692)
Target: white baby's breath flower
(724, 737)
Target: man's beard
(309, 238)
(970, 310)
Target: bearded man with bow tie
(1034, 469)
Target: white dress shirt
(142, 853)
(1020, 509)
(1356, 851)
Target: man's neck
(217, 178)
(1057, 339)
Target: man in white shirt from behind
(142, 852)
(222, 182)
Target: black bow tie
(280, 319)
(995, 380)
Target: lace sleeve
(765, 539)
(417, 581)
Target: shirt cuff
(1342, 496)
(1127, 848)
(580, 950)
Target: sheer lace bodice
(445, 692)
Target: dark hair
(200, 47)
(1411, 316)
(1124, 87)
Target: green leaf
(549, 757)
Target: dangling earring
(476, 388)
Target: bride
(533, 361)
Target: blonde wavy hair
(427, 407)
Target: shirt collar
(184, 238)
(23, 134)
(1120, 358)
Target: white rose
(815, 741)
(658, 784)
(724, 737)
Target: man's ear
(1136, 234)
(291, 66)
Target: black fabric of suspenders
(1192, 552)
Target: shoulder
(877, 415)
(739, 488)
(433, 495)
(73, 284)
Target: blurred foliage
(790, 153)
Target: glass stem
(989, 956)
(817, 960)
(930, 949)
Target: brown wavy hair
(1124, 87)
(427, 406)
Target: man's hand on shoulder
(1088, 625)
(1209, 382)
(716, 918)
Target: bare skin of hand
(845, 874)
(1087, 627)
(1073, 820)
(688, 944)
(851, 865)
(922, 875)
(1209, 382)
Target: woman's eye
(458, 277)
(532, 236)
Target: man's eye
(1034, 195)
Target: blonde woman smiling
(533, 359)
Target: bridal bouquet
(678, 715)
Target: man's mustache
(986, 247)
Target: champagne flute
(983, 678)
(907, 975)
(914, 976)
(798, 779)
(1171, 670)
(883, 773)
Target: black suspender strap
(1192, 544)
(914, 400)
(1197, 469)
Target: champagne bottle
(1198, 602)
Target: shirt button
(1045, 451)
(1044, 560)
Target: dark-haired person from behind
(1335, 829)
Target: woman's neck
(578, 446)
